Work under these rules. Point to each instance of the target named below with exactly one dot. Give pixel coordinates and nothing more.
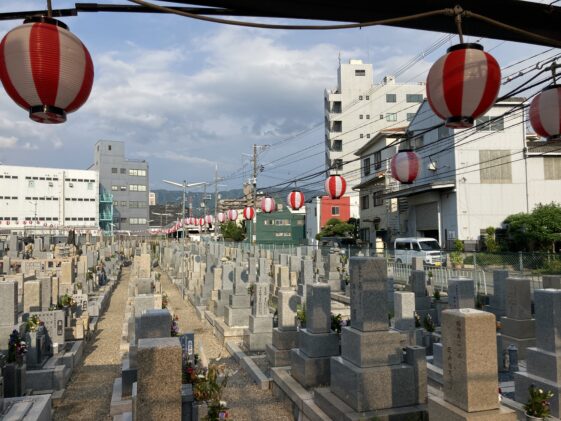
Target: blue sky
(186, 95)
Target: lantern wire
(458, 19)
(49, 9)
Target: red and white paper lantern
(45, 69)
(268, 204)
(248, 213)
(202, 222)
(405, 166)
(335, 186)
(295, 199)
(463, 84)
(209, 219)
(545, 113)
(221, 217)
(233, 215)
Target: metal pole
(215, 200)
(183, 223)
(254, 222)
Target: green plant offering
(538, 402)
(436, 295)
(32, 323)
(301, 314)
(428, 323)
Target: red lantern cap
(463, 84)
(45, 69)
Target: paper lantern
(545, 113)
(268, 204)
(209, 219)
(201, 222)
(221, 217)
(45, 69)
(335, 186)
(233, 215)
(248, 213)
(405, 166)
(295, 199)
(463, 85)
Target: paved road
(88, 395)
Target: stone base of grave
(200, 310)
(224, 332)
(521, 344)
(285, 339)
(309, 372)
(373, 388)
(256, 341)
(237, 316)
(523, 329)
(32, 408)
(498, 312)
(338, 410)
(277, 357)
(440, 410)
(318, 344)
(523, 380)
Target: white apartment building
(357, 110)
(48, 199)
(468, 179)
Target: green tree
(491, 241)
(232, 231)
(336, 228)
(538, 230)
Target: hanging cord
(448, 12)
(458, 11)
(49, 9)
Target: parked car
(426, 248)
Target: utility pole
(216, 180)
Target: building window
(552, 167)
(416, 142)
(360, 97)
(361, 135)
(367, 97)
(114, 188)
(366, 166)
(123, 188)
(391, 117)
(377, 198)
(123, 170)
(495, 167)
(364, 202)
(490, 123)
(360, 72)
(123, 203)
(381, 116)
(414, 98)
(337, 126)
(361, 116)
(108, 147)
(141, 188)
(368, 135)
(337, 164)
(113, 170)
(391, 98)
(142, 173)
(443, 132)
(337, 145)
(334, 210)
(378, 160)
(31, 183)
(410, 116)
(90, 186)
(133, 172)
(368, 116)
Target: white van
(427, 248)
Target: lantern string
(458, 11)
(49, 9)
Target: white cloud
(8, 142)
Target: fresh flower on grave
(417, 319)
(301, 314)
(175, 326)
(428, 323)
(165, 300)
(538, 402)
(251, 289)
(32, 323)
(436, 294)
(16, 348)
(78, 285)
(337, 323)
(209, 387)
(67, 301)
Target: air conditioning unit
(70, 184)
(51, 184)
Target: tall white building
(357, 110)
(41, 199)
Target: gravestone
(154, 324)
(158, 391)
(46, 292)
(404, 307)
(285, 335)
(317, 342)
(543, 362)
(372, 374)
(8, 311)
(518, 326)
(497, 302)
(238, 311)
(32, 296)
(187, 341)
(306, 277)
(469, 369)
(461, 293)
(66, 273)
(54, 325)
(260, 330)
(551, 281)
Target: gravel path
(245, 400)
(88, 394)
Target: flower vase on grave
(200, 411)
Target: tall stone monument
(518, 326)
